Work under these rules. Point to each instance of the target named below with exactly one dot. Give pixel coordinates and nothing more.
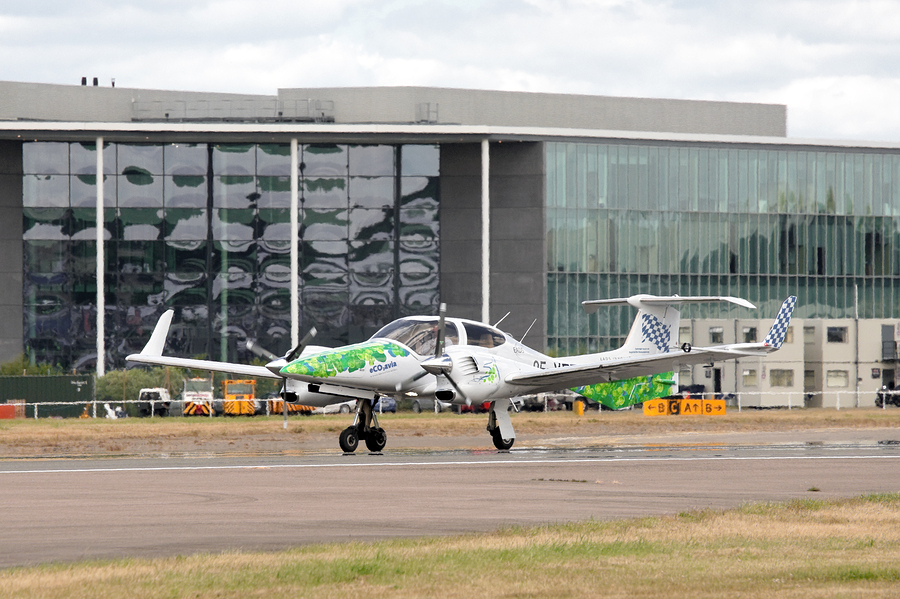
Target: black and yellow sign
(688, 407)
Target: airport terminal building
(343, 208)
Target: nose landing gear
(365, 427)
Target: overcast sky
(835, 64)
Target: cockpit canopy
(420, 334)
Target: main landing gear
(499, 425)
(365, 427)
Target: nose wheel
(365, 427)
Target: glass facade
(756, 223)
(205, 228)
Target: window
(750, 378)
(789, 335)
(837, 334)
(809, 380)
(684, 335)
(749, 334)
(715, 335)
(809, 334)
(837, 378)
(782, 378)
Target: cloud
(832, 62)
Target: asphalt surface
(72, 509)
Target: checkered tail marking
(779, 328)
(654, 331)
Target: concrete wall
(517, 235)
(520, 109)
(45, 102)
(756, 390)
(823, 356)
(11, 275)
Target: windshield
(419, 335)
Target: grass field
(47, 436)
(801, 549)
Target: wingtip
(157, 341)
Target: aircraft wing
(625, 368)
(152, 354)
(242, 369)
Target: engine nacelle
(476, 375)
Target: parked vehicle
(424, 404)
(338, 408)
(385, 404)
(887, 397)
(154, 400)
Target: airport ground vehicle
(239, 397)
(154, 401)
(197, 397)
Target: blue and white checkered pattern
(779, 328)
(654, 331)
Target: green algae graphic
(348, 359)
(491, 376)
(621, 394)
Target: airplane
(464, 362)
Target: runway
(73, 509)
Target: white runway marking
(507, 462)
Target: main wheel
(499, 441)
(376, 439)
(417, 408)
(349, 439)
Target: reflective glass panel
(137, 159)
(235, 192)
(420, 160)
(45, 158)
(42, 191)
(234, 159)
(324, 161)
(273, 160)
(325, 193)
(371, 161)
(185, 160)
(371, 192)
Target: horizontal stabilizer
(590, 306)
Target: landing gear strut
(499, 425)
(365, 427)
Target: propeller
(262, 352)
(292, 355)
(438, 350)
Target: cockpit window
(419, 335)
(483, 336)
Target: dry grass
(74, 436)
(801, 549)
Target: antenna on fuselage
(497, 324)
(527, 331)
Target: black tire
(376, 439)
(349, 439)
(345, 409)
(499, 442)
(416, 407)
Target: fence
(791, 400)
